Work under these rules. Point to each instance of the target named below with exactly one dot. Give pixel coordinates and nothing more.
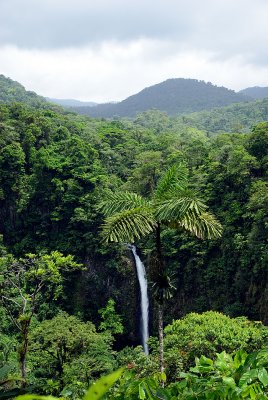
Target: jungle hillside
(184, 182)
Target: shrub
(210, 333)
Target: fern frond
(122, 201)
(204, 226)
(128, 225)
(177, 208)
(175, 177)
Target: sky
(107, 50)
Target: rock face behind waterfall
(104, 279)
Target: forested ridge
(256, 92)
(70, 299)
(173, 96)
(14, 91)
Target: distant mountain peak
(71, 102)
(256, 92)
(173, 96)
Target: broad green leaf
(253, 393)
(240, 358)
(98, 389)
(141, 392)
(248, 376)
(229, 381)
(148, 391)
(263, 376)
(204, 361)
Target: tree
(129, 216)
(25, 284)
(210, 333)
(69, 353)
(111, 321)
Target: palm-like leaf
(204, 225)
(177, 207)
(175, 177)
(122, 201)
(130, 216)
(128, 225)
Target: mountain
(12, 91)
(256, 92)
(173, 96)
(71, 102)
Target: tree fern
(177, 208)
(130, 217)
(122, 201)
(175, 177)
(129, 225)
(204, 226)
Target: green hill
(174, 96)
(12, 91)
(255, 92)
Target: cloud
(114, 71)
(109, 49)
(225, 27)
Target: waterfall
(144, 299)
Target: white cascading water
(144, 300)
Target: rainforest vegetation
(73, 191)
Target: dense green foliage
(68, 353)
(209, 333)
(241, 376)
(233, 118)
(68, 299)
(55, 168)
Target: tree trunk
(161, 337)
(159, 250)
(161, 342)
(25, 324)
(160, 272)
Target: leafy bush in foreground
(242, 376)
(210, 333)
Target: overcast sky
(106, 50)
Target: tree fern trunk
(159, 250)
(161, 338)
(160, 271)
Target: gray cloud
(89, 49)
(58, 23)
(224, 27)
